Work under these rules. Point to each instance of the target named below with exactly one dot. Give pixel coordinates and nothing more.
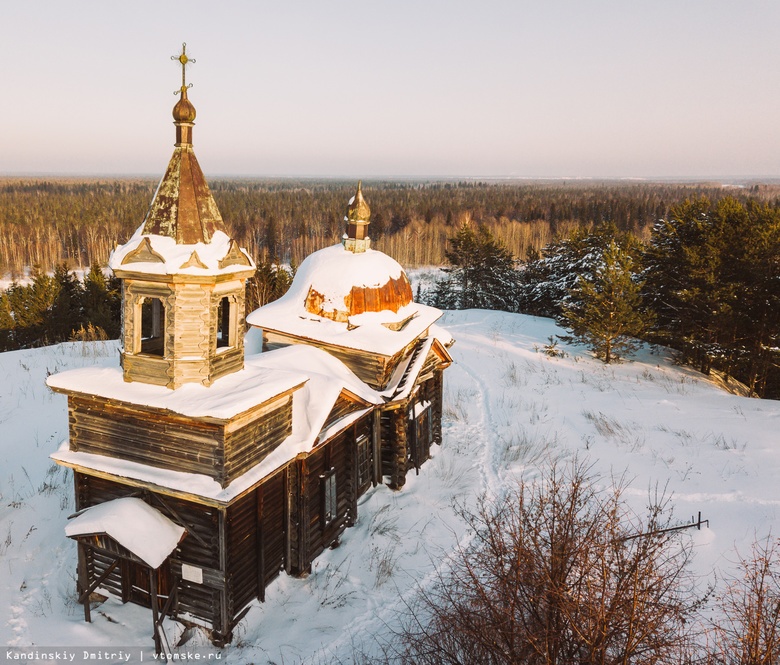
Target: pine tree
(682, 284)
(101, 301)
(713, 277)
(547, 278)
(482, 273)
(270, 282)
(66, 310)
(603, 308)
(32, 306)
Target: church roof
(359, 301)
(183, 232)
(183, 207)
(226, 398)
(162, 255)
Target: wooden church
(201, 471)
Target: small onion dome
(358, 210)
(184, 111)
(357, 218)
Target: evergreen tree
(102, 301)
(603, 308)
(482, 273)
(7, 323)
(66, 310)
(713, 277)
(32, 306)
(270, 282)
(547, 278)
(682, 284)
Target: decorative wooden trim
(234, 257)
(193, 262)
(143, 254)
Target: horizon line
(728, 179)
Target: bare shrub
(748, 629)
(556, 574)
(89, 334)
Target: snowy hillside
(508, 406)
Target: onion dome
(358, 210)
(184, 111)
(357, 218)
(341, 285)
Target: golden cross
(184, 60)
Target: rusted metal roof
(183, 207)
(393, 295)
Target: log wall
(248, 445)
(169, 441)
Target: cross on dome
(185, 60)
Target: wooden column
(352, 479)
(376, 444)
(260, 553)
(400, 448)
(225, 609)
(155, 611)
(82, 582)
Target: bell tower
(183, 277)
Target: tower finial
(357, 218)
(185, 60)
(184, 111)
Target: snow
(333, 272)
(174, 255)
(508, 407)
(226, 397)
(135, 525)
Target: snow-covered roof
(225, 398)
(442, 335)
(161, 255)
(135, 525)
(325, 378)
(334, 274)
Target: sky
(549, 88)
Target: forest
(45, 223)
(695, 267)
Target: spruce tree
(101, 301)
(603, 308)
(481, 275)
(713, 277)
(547, 277)
(66, 310)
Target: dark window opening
(153, 327)
(329, 497)
(223, 323)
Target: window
(329, 497)
(225, 327)
(363, 460)
(420, 433)
(152, 327)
